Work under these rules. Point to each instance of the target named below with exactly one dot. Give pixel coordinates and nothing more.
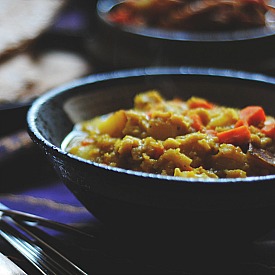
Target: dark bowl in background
(115, 47)
(224, 209)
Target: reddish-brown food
(191, 14)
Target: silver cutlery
(17, 229)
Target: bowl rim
(39, 139)
(104, 6)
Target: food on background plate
(27, 68)
(21, 22)
(26, 76)
(192, 138)
(196, 15)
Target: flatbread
(22, 21)
(24, 77)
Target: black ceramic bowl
(115, 46)
(242, 207)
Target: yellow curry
(192, 138)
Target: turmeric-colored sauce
(192, 138)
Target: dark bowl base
(229, 227)
(177, 239)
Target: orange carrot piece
(236, 136)
(240, 122)
(269, 130)
(253, 115)
(196, 102)
(197, 122)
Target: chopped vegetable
(236, 136)
(269, 130)
(197, 122)
(196, 102)
(253, 115)
(241, 122)
(114, 124)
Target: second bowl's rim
(104, 6)
(38, 137)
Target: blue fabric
(53, 201)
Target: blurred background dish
(28, 74)
(45, 50)
(240, 209)
(115, 45)
(195, 15)
(34, 16)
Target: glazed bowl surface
(118, 197)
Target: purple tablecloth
(53, 201)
